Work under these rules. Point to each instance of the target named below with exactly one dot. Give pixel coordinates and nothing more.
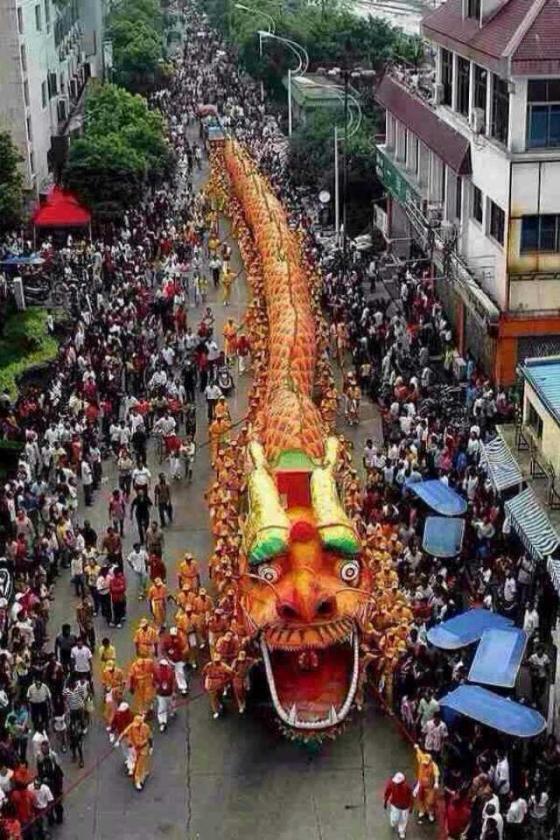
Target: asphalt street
(235, 778)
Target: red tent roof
(61, 209)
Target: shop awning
(531, 524)
(498, 657)
(443, 536)
(464, 629)
(61, 209)
(495, 711)
(502, 468)
(441, 498)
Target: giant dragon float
(315, 592)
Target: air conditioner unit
(434, 212)
(477, 119)
(439, 93)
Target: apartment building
(471, 167)
(48, 51)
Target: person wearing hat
(122, 718)
(185, 622)
(138, 736)
(141, 683)
(114, 684)
(164, 680)
(157, 597)
(189, 573)
(145, 639)
(398, 795)
(217, 677)
(174, 647)
(427, 784)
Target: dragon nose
(322, 608)
(288, 611)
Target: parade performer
(174, 647)
(138, 735)
(427, 784)
(145, 639)
(114, 684)
(217, 677)
(157, 597)
(141, 683)
(398, 796)
(122, 718)
(164, 680)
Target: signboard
(393, 180)
(380, 219)
(107, 56)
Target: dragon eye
(268, 573)
(350, 571)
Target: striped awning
(553, 567)
(532, 525)
(500, 465)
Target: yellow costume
(141, 680)
(139, 737)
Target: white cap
(163, 661)
(172, 631)
(123, 707)
(398, 778)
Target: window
(540, 233)
(463, 73)
(38, 18)
(476, 204)
(416, 156)
(23, 58)
(458, 197)
(32, 162)
(447, 76)
(534, 420)
(497, 222)
(500, 109)
(47, 13)
(26, 93)
(480, 87)
(20, 20)
(52, 85)
(543, 113)
(44, 94)
(29, 132)
(473, 9)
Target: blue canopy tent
(498, 657)
(492, 710)
(443, 536)
(437, 495)
(464, 629)
(14, 260)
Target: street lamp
(251, 10)
(303, 63)
(347, 74)
(350, 130)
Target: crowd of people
(126, 385)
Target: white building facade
(479, 152)
(48, 51)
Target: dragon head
(304, 594)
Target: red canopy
(61, 209)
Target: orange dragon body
(316, 597)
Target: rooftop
(543, 375)
(522, 37)
(412, 110)
(315, 90)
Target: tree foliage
(10, 182)
(136, 30)
(311, 164)
(123, 148)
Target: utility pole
(336, 188)
(345, 177)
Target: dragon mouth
(312, 672)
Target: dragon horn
(336, 530)
(267, 527)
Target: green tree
(124, 147)
(311, 163)
(136, 30)
(10, 182)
